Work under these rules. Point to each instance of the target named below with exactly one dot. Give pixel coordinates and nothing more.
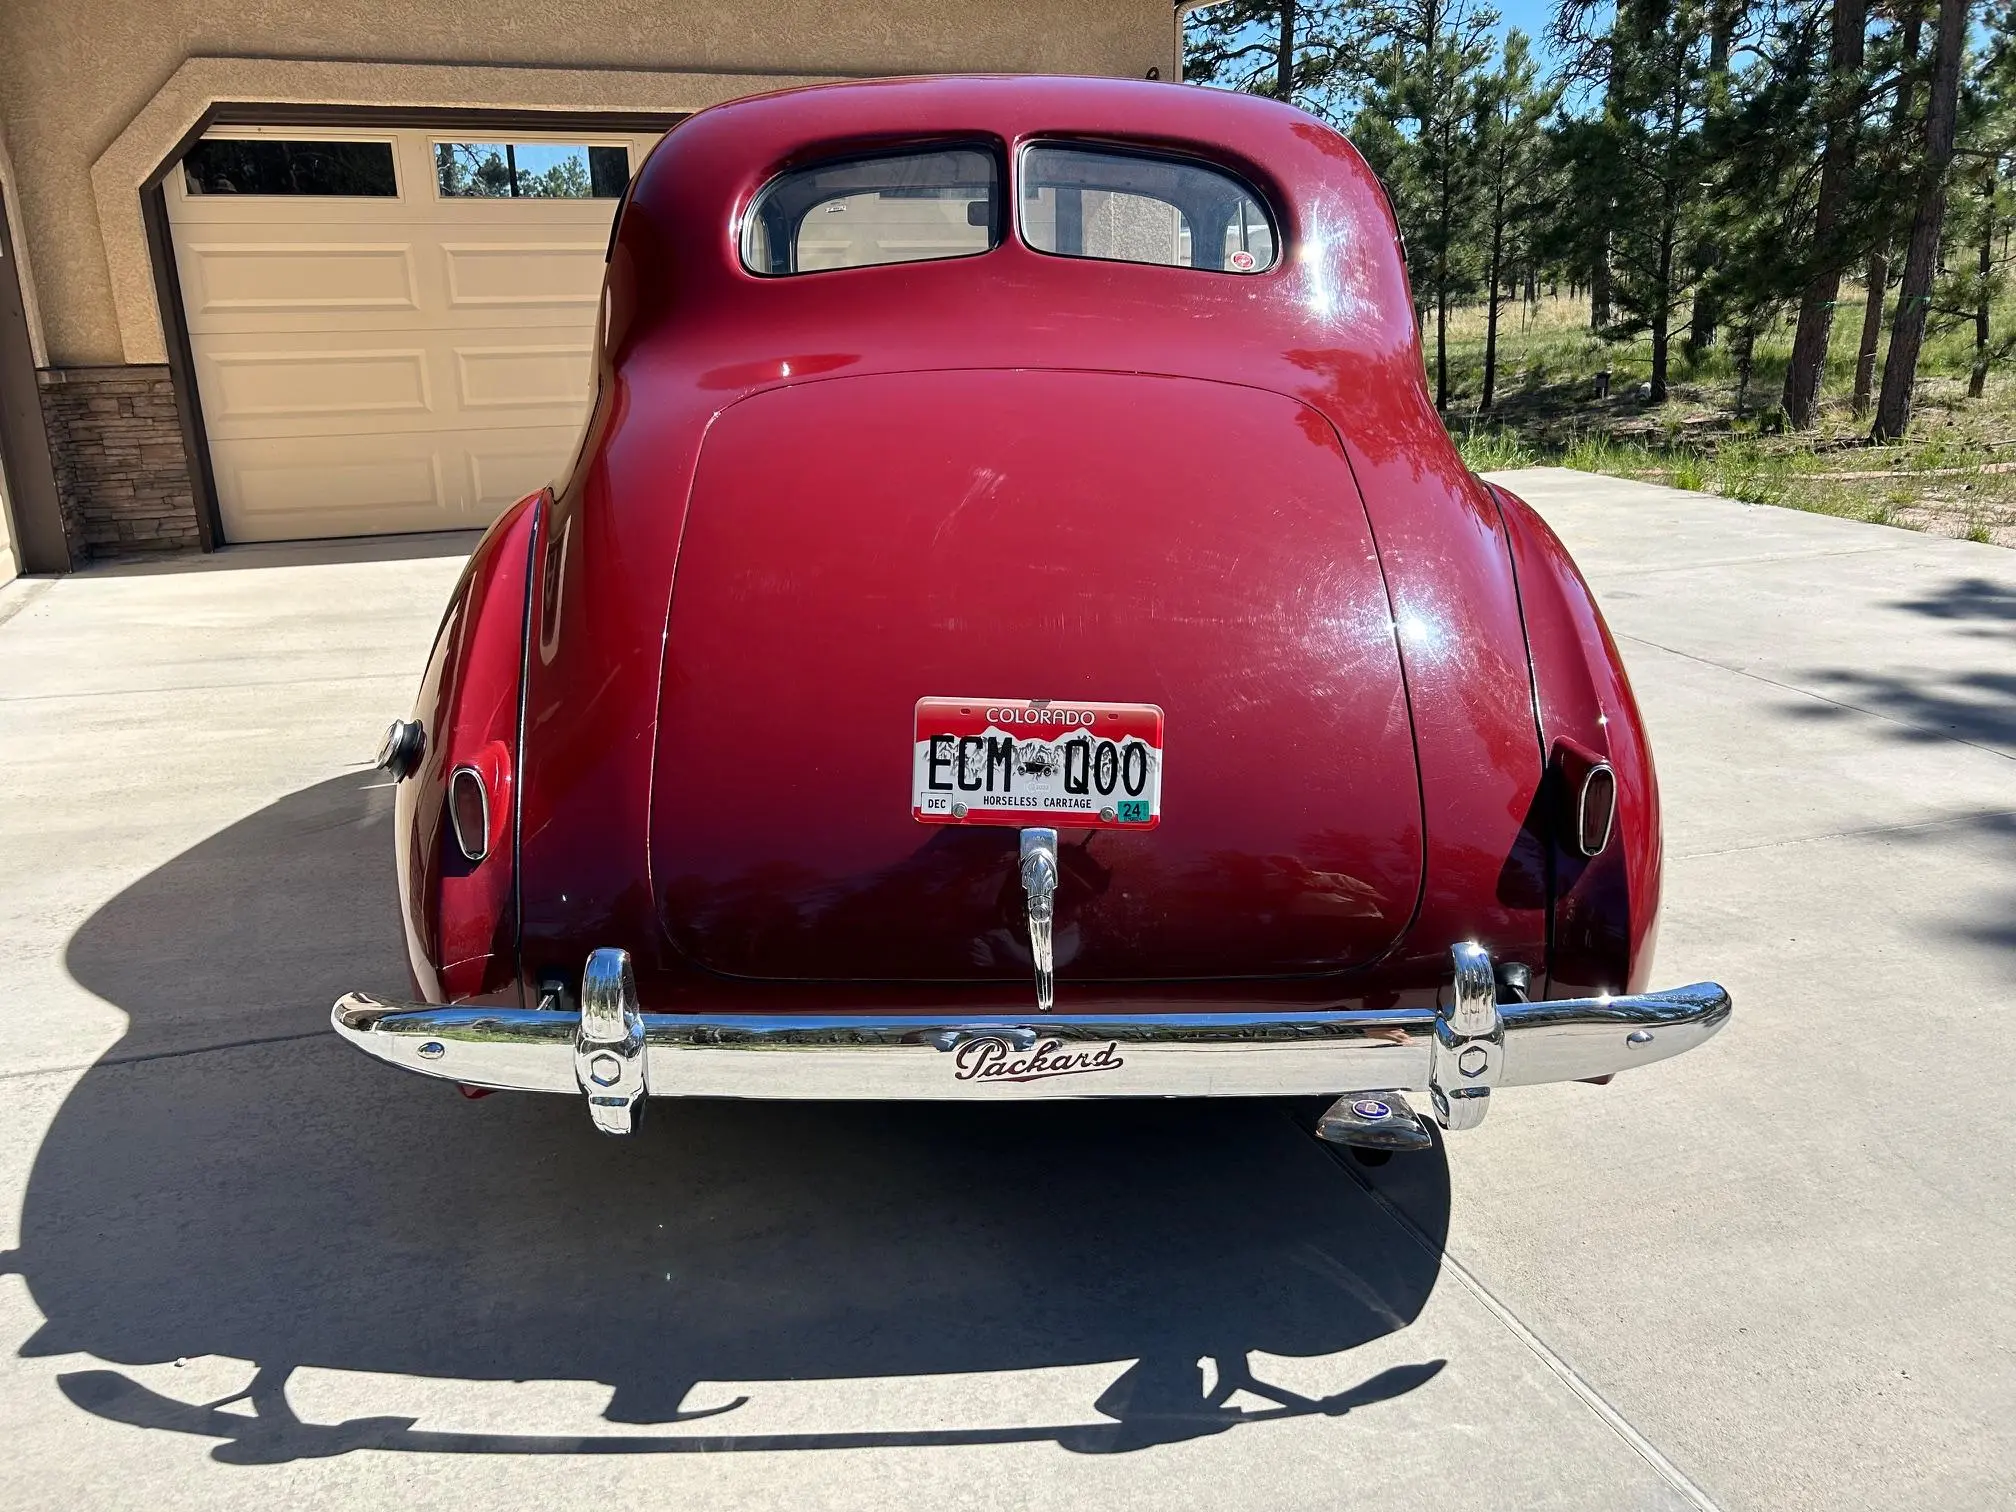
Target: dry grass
(1954, 475)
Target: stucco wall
(77, 75)
(10, 567)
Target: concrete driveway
(245, 1267)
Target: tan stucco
(94, 94)
(17, 232)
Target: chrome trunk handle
(1039, 881)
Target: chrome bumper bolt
(1469, 1048)
(610, 1060)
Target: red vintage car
(1016, 627)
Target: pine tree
(1914, 289)
(1896, 69)
(1980, 220)
(1833, 236)
(1660, 60)
(1418, 128)
(1512, 147)
(1761, 144)
(1308, 52)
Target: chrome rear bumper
(616, 1056)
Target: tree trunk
(1599, 285)
(1744, 349)
(1442, 346)
(1876, 281)
(1878, 276)
(1284, 54)
(1445, 231)
(1921, 257)
(1977, 380)
(1491, 299)
(1837, 169)
(1706, 319)
(1660, 346)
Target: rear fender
(1605, 908)
(461, 916)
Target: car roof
(1331, 321)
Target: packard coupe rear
(1016, 627)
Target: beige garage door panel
(263, 386)
(526, 377)
(417, 481)
(379, 364)
(500, 275)
(312, 278)
(365, 383)
(244, 279)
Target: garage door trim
(160, 245)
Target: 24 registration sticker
(1037, 761)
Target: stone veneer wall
(122, 476)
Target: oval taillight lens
(1596, 809)
(469, 812)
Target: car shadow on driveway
(233, 1181)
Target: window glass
(267, 165)
(1132, 207)
(530, 170)
(896, 207)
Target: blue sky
(1530, 16)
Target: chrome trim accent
(1039, 881)
(478, 848)
(1582, 810)
(1374, 1121)
(610, 1066)
(400, 751)
(912, 1056)
(1469, 1052)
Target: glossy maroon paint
(461, 917)
(1359, 598)
(1230, 580)
(1606, 908)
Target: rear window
(889, 208)
(1136, 207)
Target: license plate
(1037, 761)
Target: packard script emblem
(993, 1059)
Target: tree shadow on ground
(1939, 702)
(1942, 701)
(233, 1181)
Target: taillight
(1596, 809)
(1590, 787)
(469, 812)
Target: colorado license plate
(1037, 761)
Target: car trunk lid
(855, 545)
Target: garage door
(391, 329)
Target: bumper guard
(616, 1056)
